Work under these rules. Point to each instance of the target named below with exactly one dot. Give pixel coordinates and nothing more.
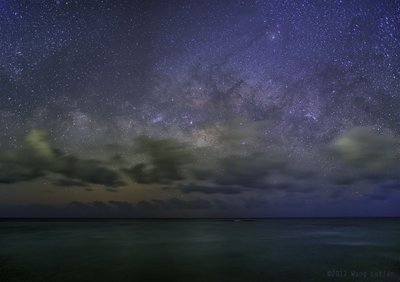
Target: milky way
(199, 108)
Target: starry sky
(191, 108)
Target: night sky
(199, 108)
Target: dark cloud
(112, 190)
(255, 203)
(176, 203)
(235, 174)
(378, 197)
(11, 172)
(91, 171)
(247, 171)
(33, 160)
(202, 174)
(262, 171)
(122, 205)
(37, 158)
(107, 209)
(344, 177)
(222, 204)
(118, 159)
(338, 192)
(165, 160)
(204, 189)
(390, 183)
(65, 182)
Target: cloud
(221, 204)
(255, 203)
(37, 143)
(378, 197)
(258, 170)
(122, 205)
(206, 189)
(166, 159)
(38, 158)
(109, 209)
(248, 171)
(365, 148)
(65, 182)
(391, 183)
(90, 171)
(30, 162)
(344, 177)
(367, 155)
(175, 203)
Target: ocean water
(201, 250)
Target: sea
(206, 250)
